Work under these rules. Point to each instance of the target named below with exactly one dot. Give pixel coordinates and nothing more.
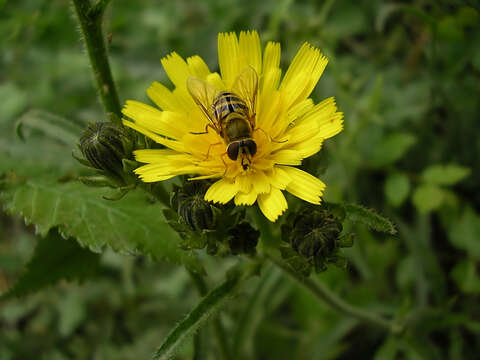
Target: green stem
(327, 296)
(90, 19)
(218, 327)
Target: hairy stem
(90, 19)
(326, 295)
(218, 328)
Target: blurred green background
(407, 77)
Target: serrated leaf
(427, 198)
(465, 233)
(397, 187)
(445, 174)
(54, 259)
(130, 225)
(391, 148)
(370, 218)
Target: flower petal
(287, 157)
(152, 177)
(303, 74)
(279, 178)
(261, 184)
(165, 99)
(270, 110)
(198, 67)
(221, 192)
(310, 146)
(297, 111)
(166, 123)
(304, 185)
(272, 204)
(243, 183)
(172, 144)
(330, 121)
(228, 56)
(271, 56)
(161, 155)
(250, 50)
(204, 177)
(246, 198)
(271, 71)
(167, 169)
(177, 69)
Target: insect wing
(203, 94)
(246, 85)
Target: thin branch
(326, 295)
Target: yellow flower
(289, 127)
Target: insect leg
(269, 137)
(224, 163)
(206, 130)
(212, 145)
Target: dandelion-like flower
(253, 140)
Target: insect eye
(232, 150)
(252, 146)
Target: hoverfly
(230, 113)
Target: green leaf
(445, 174)
(54, 259)
(370, 218)
(127, 226)
(209, 305)
(54, 126)
(397, 187)
(427, 198)
(466, 276)
(465, 233)
(391, 148)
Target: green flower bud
(105, 145)
(315, 236)
(243, 239)
(191, 206)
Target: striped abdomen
(231, 112)
(226, 103)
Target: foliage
(404, 73)
(54, 259)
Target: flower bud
(105, 145)
(243, 239)
(191, 206)
(315, 236)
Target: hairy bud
(105, 145)
(243, 239)
(314, 235)
(191, 206)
